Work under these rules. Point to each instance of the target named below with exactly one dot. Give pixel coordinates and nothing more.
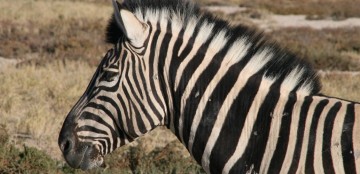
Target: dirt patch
(268, 21)
(296, 21)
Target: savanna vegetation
(59, 43)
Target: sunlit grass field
(59, 44)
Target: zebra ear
(131, 26)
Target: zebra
(238, 102)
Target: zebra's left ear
(131, 26)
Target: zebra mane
(283, 64)
(183, 8)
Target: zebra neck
(269, 130)
(315, 131)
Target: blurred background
(49, 49)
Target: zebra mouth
(91, 158)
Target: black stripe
(151, 71)
(134, 76)
(134, 113)
(139, 121)
(347, 140)
(91, 129)
(109, 56)
(174, 65)
(300, 133)
(256, 145)
(137, 100)
(131, 131)
(147, 97)
(117, 117)
(126, 115)
(102, 140)
(175, 59)
(127, 94)
(184, 80)
(217, 98)
(328, 130)
(193, 64)
(282, 144)
(109, 114)
(122, 62)
(309, 163)
(162, 75)
(224, 86)
(97, 118)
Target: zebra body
(237, 102)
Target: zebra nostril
(66, 146)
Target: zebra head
(120, 103)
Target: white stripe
(336, 151)
(295, 117)
(304, 146)
(163, 25)
(189, 31)
(175, 30)
(138, 91)
(122, 112)
(241, 49)
(138, 107)
(318, 160)
(132, 118)
(92, 123)
(149, 91)
(249, 123)
(215, 46)
(253, 66)
(288, 84)
(203, 35)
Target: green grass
(130, 159)
(28, 160)
(168, 159)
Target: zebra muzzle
(80, 154)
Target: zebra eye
(109, 76)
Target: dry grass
(70, 30)
(330, 49)
(340, 85)
(36, 99)
(22, 12)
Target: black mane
(282, 63)
(184, 7)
